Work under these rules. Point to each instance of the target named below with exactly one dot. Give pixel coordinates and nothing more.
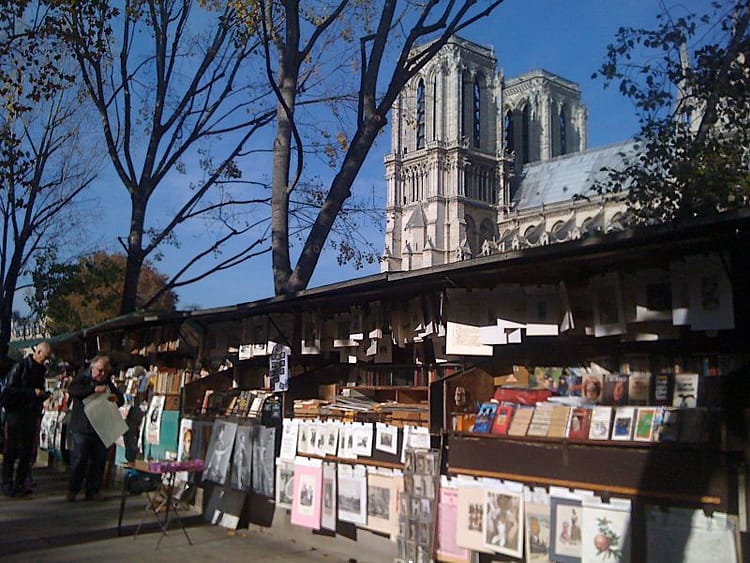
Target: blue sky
(566, 38)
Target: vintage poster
(328, 510)
(219, 454)
(566, 537)
(386, 438)
(242, 459)
(153, 419)
(308, 493)
(537, 511)
(284, 483)
(264, 447)
(470, 530)
(447, 524)
(289, 433)
(352, 494)
(606, 530)
(503, 522)
(382, 513)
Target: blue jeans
(87, 460)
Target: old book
(601, 420)
(540, 421)
(503, 416)
(580, 423)
(615, 389)
(558, 425)
(643, 430)
(685, 393)
(485, 418)
(521, 420)
(669, 424)
(638, 388)
(622, 427)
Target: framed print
(352, 494)
(242, 459)
(386, 438)
(382, 513)
(537, 512)
(503, 524)
(284, 483)
(470, 532)
(218, 456)
(606, 529)
(328, 509)
(565, 530)
(308, 493)
(264, 452)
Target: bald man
(25, 395)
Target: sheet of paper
(104, 417)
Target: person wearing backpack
(22, 396)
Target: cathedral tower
(459, 137)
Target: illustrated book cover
(601, 420)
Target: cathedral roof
(562, 178)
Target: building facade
(481, 164)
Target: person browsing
(89, 456)
(24, 395)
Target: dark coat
(23, 379)
(81, 387)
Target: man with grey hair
(24, 393)
(89, 456)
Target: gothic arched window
(509, 133)
(434, 107)
(476, 109)
(420, 114)
(563, 131)
(525, 134)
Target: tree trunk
(135, 254)
(10, 283)
(337, 195)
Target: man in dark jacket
(89, 456)
(24, 395)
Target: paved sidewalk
(48, 528)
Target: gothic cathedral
(465, 145)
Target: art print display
(470, 532)
(606, 530)
(418, 505)
(242, 458)
(566, 536)
(447, 525)
(153, 419)
(346, 442)
(386, 438)
(537, 512)
(264, 453)
(219, 453)
(363, 434)
(503, 522)
(382, 511)
(284, 483)
(331, 437)
(289, 433)
(328, 509)
(352, 494)
(308, 493)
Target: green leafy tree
(689, 79)
(75, 295)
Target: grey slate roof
(559, 179)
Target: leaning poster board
(105, 417)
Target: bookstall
(573, 400)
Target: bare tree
(41, 169)
(173, 85)
(390, 56)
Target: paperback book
(643, 430)
(622, 427)
(503, 416)
(485, 418)
(580, 423)
(601, 421)
(521, 420)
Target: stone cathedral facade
(483, 164)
